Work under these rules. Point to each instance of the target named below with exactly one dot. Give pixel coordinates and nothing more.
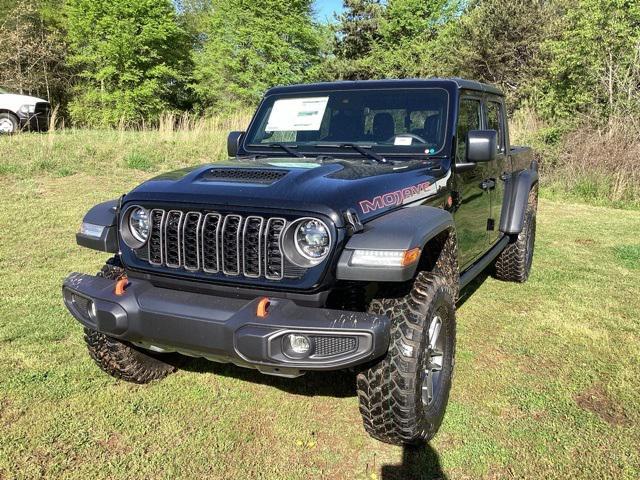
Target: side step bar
(473, 271)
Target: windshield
(400, 121)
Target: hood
(293, 184)
(13, 101)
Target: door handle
(488, 184)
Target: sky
(326, 8)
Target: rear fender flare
(516, 196)
(402, 229)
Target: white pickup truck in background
(23, 112)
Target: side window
(495, 122)
(468, 119)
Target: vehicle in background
(23, 112)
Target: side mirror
(481, 145)
(233, 143)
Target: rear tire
(120, 359)
(399, 402)
(9, 123)
(514, 263)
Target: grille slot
(329, 346)
(191, 241)
(251, 246)
(232, 244)
(156, 245)
(172, 240)
(274, 258)
(210, 233)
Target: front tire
(404, 396)
(9, 123)
(123, 361)
(119, 359)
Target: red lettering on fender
(395, 198)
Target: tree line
(104, 62)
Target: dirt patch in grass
(9, 413)
(585, 242)
(114, 445)
(595, 400)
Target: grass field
(547, 380)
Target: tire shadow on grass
(419, 462)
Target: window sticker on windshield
(297, 114)
(400, 140)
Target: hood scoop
(263, 176)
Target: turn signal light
(410, 257)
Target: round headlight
(139, 224)
(312, 239)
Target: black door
(500, 167)
(473, 207)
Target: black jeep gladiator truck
(339, 237)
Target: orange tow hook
(263, 307)
(121, 285)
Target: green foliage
(139, 161)
(131, 57)
(251, 46)
(629, 255)
(358, 28)
(593, 60)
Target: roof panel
(391, 83)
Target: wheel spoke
(434, 331)
(427, 387)
(434, 359)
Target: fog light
(297, 345)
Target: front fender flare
(104, 215)
(402, 229)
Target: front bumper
(225, 329)
(34, 123)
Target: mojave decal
(405, 196)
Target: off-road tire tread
(119, 359)
(390, 408)
(511, 265)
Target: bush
(599, 166)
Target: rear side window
(495, 122)
(468, 119)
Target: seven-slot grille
(230, 244)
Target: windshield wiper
(363, 152)
(287, 149)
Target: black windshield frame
(320, 147)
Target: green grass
(547, 380)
